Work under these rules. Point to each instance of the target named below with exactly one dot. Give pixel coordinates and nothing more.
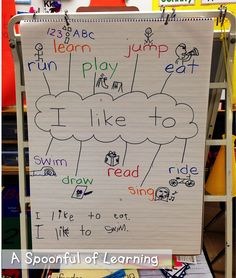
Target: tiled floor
(214, 239)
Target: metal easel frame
(217, 86)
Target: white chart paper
(117, 118)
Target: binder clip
(173, 15)
(66, 18)
(220, 15)
(12, 43)
(34, 15)
(223, 15)
(163, 8)
(167, 19)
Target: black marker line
(38, 237)
(49, 91)
(135, 68)
(185, 144)
(57, 233)
(77, 166)
(49, 146)
(87, 193)
(151, 165)
(69, 72)
(94, 83)
(91, 117)
(165, 82)
(126, 147)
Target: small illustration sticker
(101, 82)
(163, 194)
(44, 171)
(112, 159)
(117, 85)
(183, 55)
(187, 181)
(80, 192)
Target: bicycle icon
(187, 181)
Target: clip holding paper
(163, 8)
(66, 18)
(34, 15)
(173, 15)
(223, 15)
(167, 19)
(12, 43)
(220, 15)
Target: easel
(217, 86)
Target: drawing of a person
(102, 81)
(183, 55)
(39, 54)
(148, 33)
(162, 194)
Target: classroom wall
(197, 6)
(72, 5)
